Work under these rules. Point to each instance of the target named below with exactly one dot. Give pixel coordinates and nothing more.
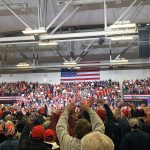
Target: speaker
(144, 42)
(101, 40)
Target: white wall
(116, 75)
(120, 75)
(34, 77)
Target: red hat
(37, 132)
(102, 113)
(49, 135)
(126, 112)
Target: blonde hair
(96, 141)
(133, 122)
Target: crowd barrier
(10, 99)
(136, 97)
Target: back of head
(82, 128)
(9, 130)
(117, 113)
(46, 124)
(96, 141)
(134, 123)
(49, 135)
(85, 115)
(8, 118)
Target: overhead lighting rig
(121, 60)
(23, 64)
(47, 43)
(41, 30)
(122, 25)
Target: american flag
(74, 75)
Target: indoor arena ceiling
(79, 33)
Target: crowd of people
(139, 86)
(59, 95)
(102, 128)
(73, 116)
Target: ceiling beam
(110, 5)
(18, 17)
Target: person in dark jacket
(136, 139)
(112, 129)
(11, 143)
(35, 142)
(122, 122)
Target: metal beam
(59, 41)
(61, 55)
(14, 14)
(5, 58)
(126, 11)
(34, 61)
(138, 11)
(72, 50)
(17, 38)
(105, 15)
(72, 13)
(136, 8)
(54, 20)
(86, 34)
(41, 7)
(1, 59)
(110, 51)
(25, 57)
(126, 49)
(39, 24)
(78, 65)
(84, 53)
(45, 13)
(37, 59)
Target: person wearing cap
(82, 127)
(49, 138)
(35, 141)
(11, 143)
(136, 139)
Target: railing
(136, 97)
(10, 98)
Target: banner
(136, 97)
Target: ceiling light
(122, 60)
(119, 26)
(24, 64)
(121, 38)
(69, 63)
(81, 2)
(35, 31)
(47, 43)
(17, 38)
